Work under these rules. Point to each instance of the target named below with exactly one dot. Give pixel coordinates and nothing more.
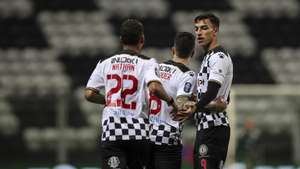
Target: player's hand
(175, 108)
(184, 113)
(179, 118)
(219, 104)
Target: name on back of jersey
(166, 72)
(124, 63)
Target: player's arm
(208, 101)
(186, 87)
(205, 103)
(156, 88)
(96, 81)
(94, 96)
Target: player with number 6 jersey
(178, 81)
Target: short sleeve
(186, 84)
(218, 64)
(151, 71)
(96, 80)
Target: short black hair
(131, 31)
(213, 19)
(184, 44)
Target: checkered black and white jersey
(216, 66)
(124, 77)
(125, 128)
(178, 80)
(166, 134)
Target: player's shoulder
(180, 66)
(219, 52)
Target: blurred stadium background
(48, 49)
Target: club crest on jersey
(221, 56)
(187, 87)
(203, 149)
(113, 162)
(192, 74)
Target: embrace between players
(135, 139)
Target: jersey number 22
(121, 102)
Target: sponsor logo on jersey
(124, 60)
(200, 82)
(167, 69)
(187, 87)
(113, 162)
(165, 75)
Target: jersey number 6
(152, 100)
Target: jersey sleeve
(186, 84)
(96, 80)
(218, 64)
(151, 71)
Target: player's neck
(180, 60)
(132, 48)
(212, 45)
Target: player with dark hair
(214, 80)
(179, 81)
(126, 77)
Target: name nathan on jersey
(166, 72)
(124, 63)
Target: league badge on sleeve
(187, 87)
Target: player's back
(125, 76)
(178, 80)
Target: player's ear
(192, 53)
(142, 39)
(141, 42)
(215, 30)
